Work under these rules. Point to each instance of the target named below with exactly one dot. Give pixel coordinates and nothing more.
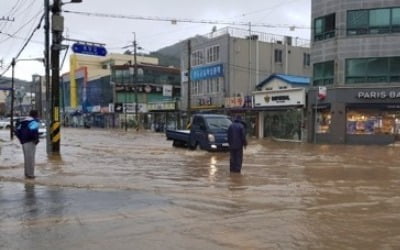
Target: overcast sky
(151, 35)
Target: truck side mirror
(203, 127)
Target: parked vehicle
(5, 123)
(42, 129)
(207, 131)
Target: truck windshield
(218, 123)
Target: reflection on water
(213, 168)
(289, 196)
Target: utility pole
(53, 61)
(47, 72)
(57, 29)
(12, 100)
(135, 81)
(189, 80)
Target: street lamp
(13, 63)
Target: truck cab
(209, 132)
(206, 131)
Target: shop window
(323, 121)
(324, 27)
(373, 21)
(396, 20)
(323, 73)
(379, 21)
(373, 70)
(357, 22)
(283, 124)
(395, 69)
(373, 122)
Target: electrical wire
(176, 20)
(20, 28)
(10, 14)
(25, 44)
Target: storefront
(281, 113)
(163, 115)
(355, 116)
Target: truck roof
(211, 115)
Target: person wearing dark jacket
(27, 132)
(237, 141)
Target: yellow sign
(56, 114)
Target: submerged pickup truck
(207, 131)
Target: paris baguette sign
(383, 94)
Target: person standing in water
(27, 132)
(237, 142)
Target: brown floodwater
(111, 189)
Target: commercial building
(280, 101)
(356, 56)
(227, 65)
(151, 98)
(87, 90)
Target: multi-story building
(151, 98)
(87, 88)
(228, 64)
(356, 58)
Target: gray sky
(151, 35)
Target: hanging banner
(321, 92)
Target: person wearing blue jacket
(27, 132)
(237, 141)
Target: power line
(11, 13)
(20, 28)
(25, 44)
(177, 20)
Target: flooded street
(117, 190)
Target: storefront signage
(239, 102)
(234, 102)
(207, 72)
(147, 88)
(205, 101)
(161, 106)
(95, 108)
(286, 97)
(167, 90)
(378, 94)
(280, 98)
(131, 107)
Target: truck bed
(178, 135)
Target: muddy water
(289, 196)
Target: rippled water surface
(111, 189)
